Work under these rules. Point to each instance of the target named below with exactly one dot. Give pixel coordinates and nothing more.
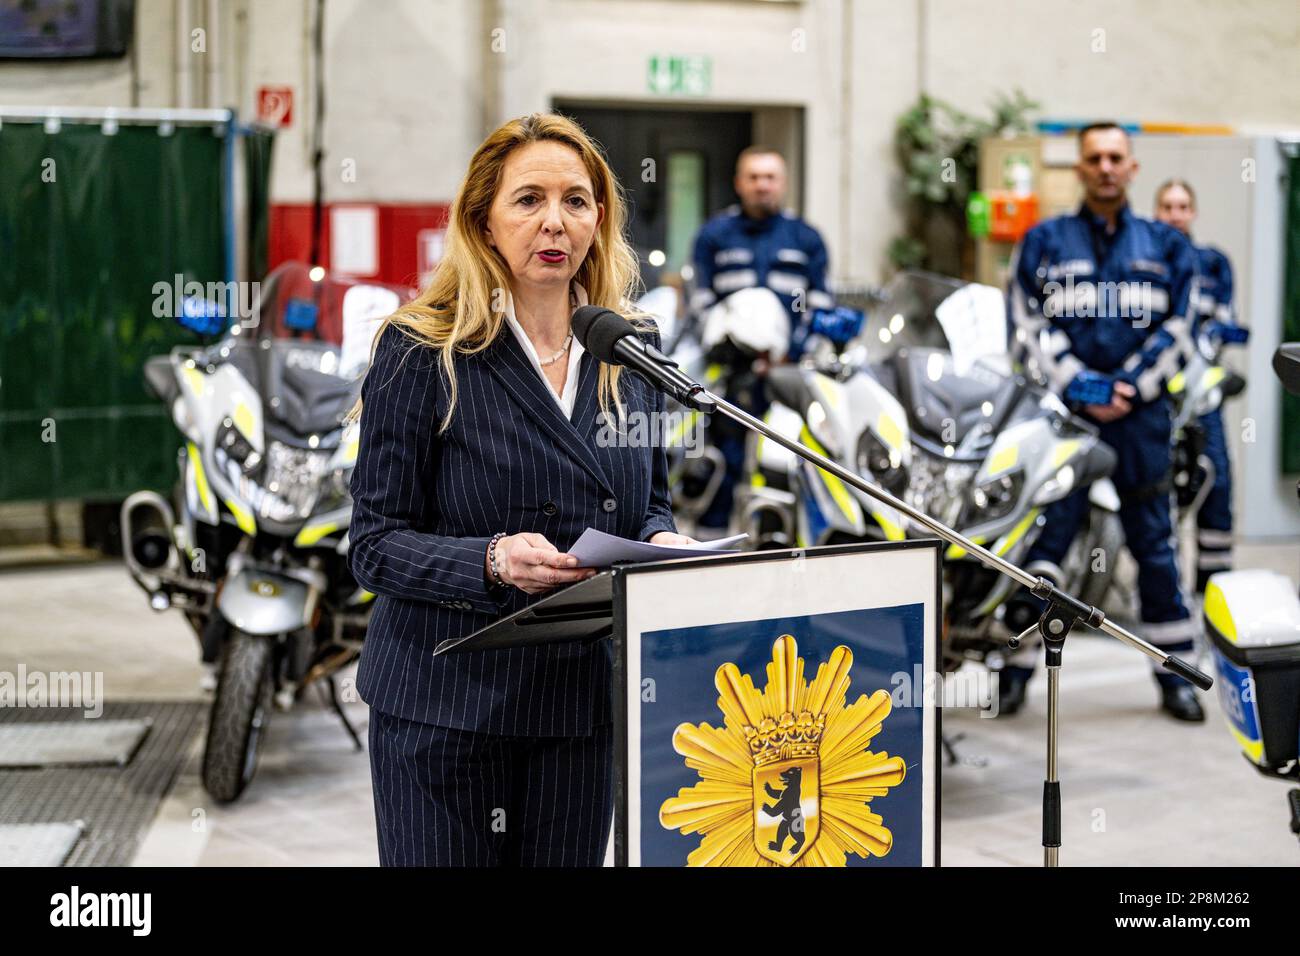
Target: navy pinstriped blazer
(425, 506)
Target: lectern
(766, 704)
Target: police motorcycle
(1202, 387)
(695, 468)
(251, 547)
(924, 403)
(1252, 618)
(729, 349)
(768, 506)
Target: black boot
(1178, 700)
(1012, 684)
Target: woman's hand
(669, 537)
(531, 563)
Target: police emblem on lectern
(788, 780)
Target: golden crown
(788, 737)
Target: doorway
(676, 168)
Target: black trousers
(447, 797)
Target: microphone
(613, 339)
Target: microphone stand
(1061, 611)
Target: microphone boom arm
(1063, 608)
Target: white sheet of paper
(974, 320)
(596, 549)
(354, 240)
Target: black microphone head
(598, 329)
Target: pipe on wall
(213, 74)
(183, 76)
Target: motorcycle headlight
(1056, 487)
(938, 486)
(819, 425)
(995, 498)
(295, 476)
(882, 463)
(234, 447)
(283, 485)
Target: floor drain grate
(115, 804)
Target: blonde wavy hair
(455, 315)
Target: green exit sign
(679, 75)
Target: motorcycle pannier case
(1253, 620)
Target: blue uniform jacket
(425, 506)
(1090, 308)
(782, 253)
(1214, 307)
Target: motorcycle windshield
(316, 309)
(940, 346)
(306, 343)
(921, 309)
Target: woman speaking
(479, 465)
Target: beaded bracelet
(492, 559)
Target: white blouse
(566, 398)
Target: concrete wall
(1180, 61)
(144, 78)
(412, 85)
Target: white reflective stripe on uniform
(1074, 267)
(820, 300)
(1058, 342)
(1151, 383)
(736, 279)
(1213, 538)
(1139, 299)
(1168, 632)
(1029, 324)
(1218, 560)
(1063, 370)
(791, 255)
(736, 256)
(703, 298)
(1199, 302)
(786, 282)
(1176, 326)
(1149, 265)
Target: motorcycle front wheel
(1105, 536)
(239, 714)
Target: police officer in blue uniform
(757, 244)
(1099, 301)
(1215, 317)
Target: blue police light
(202, 315)
(300, 315)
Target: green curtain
(1291, 317)
(89, 224)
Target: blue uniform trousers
(1214, 519)
(1142, 440)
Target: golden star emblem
(788, 779)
